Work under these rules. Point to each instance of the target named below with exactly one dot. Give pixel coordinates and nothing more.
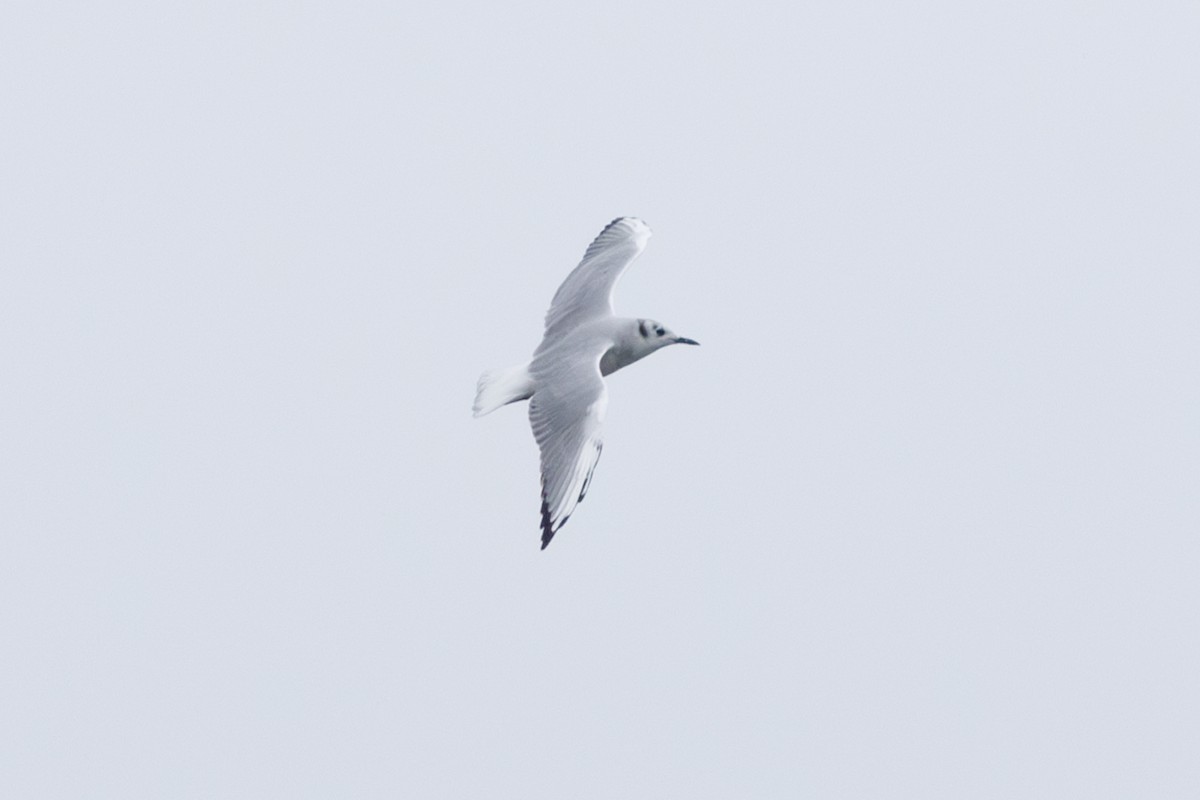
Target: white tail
(498, 387)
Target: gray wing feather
(566, 414)
(587, 291)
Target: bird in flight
(564, 381)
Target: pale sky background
(918, 520)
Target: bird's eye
(659, 331)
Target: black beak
(681, 340)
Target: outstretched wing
(587, 291)
(566, 413)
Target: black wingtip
(547, 528)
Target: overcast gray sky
(919, 520)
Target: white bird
(564, 381)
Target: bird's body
(615, 339)
(564, 381)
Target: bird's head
(655, 335)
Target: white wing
(566, 413)
(587, 291)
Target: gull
(564, 381)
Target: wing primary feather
(547, 528)
(587, 481)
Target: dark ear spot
(642, 328)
